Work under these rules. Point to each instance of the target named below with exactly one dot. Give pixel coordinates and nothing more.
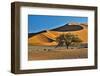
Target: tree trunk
(67, 46)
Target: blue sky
(37, 23)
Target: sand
(51, 53)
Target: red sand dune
(46, 38)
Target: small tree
(71, 39)
(68, 39)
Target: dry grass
(59, 53)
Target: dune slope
(47, 38)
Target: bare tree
(71, 39)
(68, 39)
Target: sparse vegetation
(52, 53)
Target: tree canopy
(68, 39)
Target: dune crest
(47, 38)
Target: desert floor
(50, 53)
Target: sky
(38, 23)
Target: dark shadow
(68, 28)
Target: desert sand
(42, 45)
(51, 53)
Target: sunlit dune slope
(40, 39)
(47, 38)
(83, 35)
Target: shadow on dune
(64, 28)
(67, 27)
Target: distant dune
(47, 37)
